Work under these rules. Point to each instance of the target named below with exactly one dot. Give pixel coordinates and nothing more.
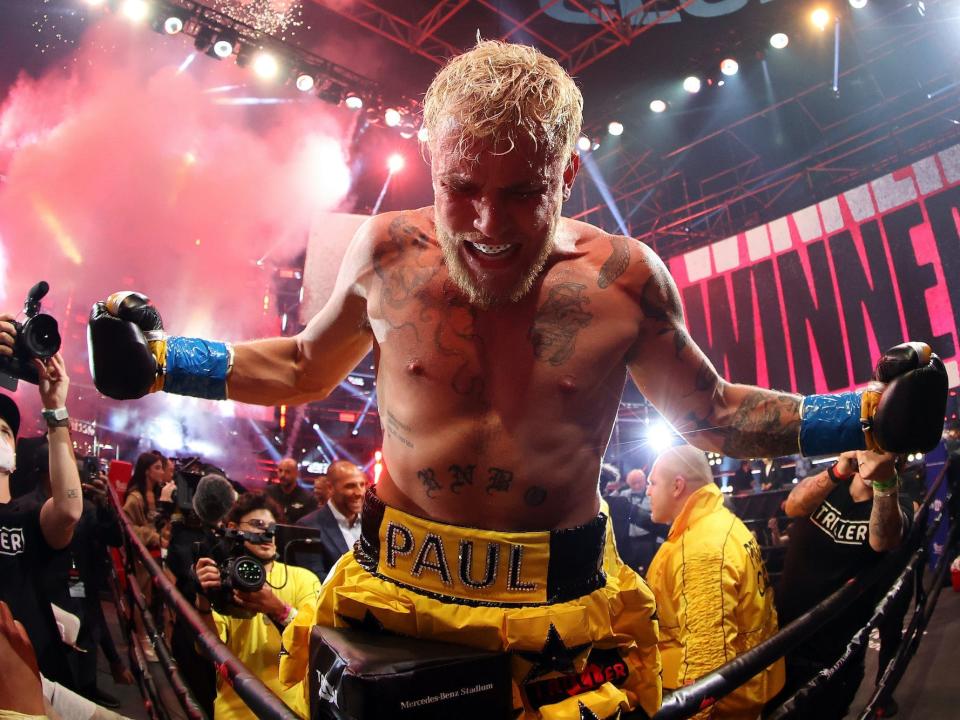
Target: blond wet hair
(497, 92)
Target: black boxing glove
(124, 342)
(130, 355)
(904, 415)
(907, 415)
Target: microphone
(213, 499)
(37, 293)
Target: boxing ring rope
(254, 693)
(167, 662)
(688, 701)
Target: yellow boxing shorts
(580, 626)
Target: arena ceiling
(770, 140)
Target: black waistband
(575, 566)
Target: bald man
(296, 501)
(709, 561)
(339, 519)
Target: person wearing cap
(31, 532)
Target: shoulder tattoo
(616, 264)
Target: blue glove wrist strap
(831, 424)
(196, 367)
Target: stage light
(658, 106)
(223, 49)
(265, 66)
(721, 83)
(660, 437)
(729, 67)
(135, 10)
(172, 25)
(583, 143)
(921, 8)
(615, 128)
(95, 3)
(820, 17)
(305, 82)
(422, 134)
(391, 116)
(692, 84)
(354, 102)
(395, 163)
(779, 41)
(858, 4)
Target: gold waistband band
(476, 566)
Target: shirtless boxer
(502, 335)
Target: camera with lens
(37, 337)
(89, 467)
(239, 570)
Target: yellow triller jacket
(714, 602)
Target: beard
(484, 296)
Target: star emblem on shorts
(588, 714)
(368, 623)
(554, 657)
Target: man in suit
(339, 519)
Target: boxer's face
(497, 216)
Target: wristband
(885, 488)
(837, 479)
(831, 424)
(196, 367)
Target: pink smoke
(123, 173)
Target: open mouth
(492, 252)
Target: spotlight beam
(383, 192)
(363, 415)
(593, 171)
(268, 446)
(836, 56)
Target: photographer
(31, 532)
(256, 640)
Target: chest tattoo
(403, 263)
(557, 322)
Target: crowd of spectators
(673, 522)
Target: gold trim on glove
(869, 402)
(159, 350)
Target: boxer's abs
(480, 432)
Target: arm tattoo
(557, 322)
(886, 522)
(430, 483)
(462, 475)
(499, 480)
(766, 424)
(616, 264)
(71, 493)
(809, 494)
(660, 304)
(535, 495)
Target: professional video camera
(239, 570)
(212, 496)
(37, 337)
